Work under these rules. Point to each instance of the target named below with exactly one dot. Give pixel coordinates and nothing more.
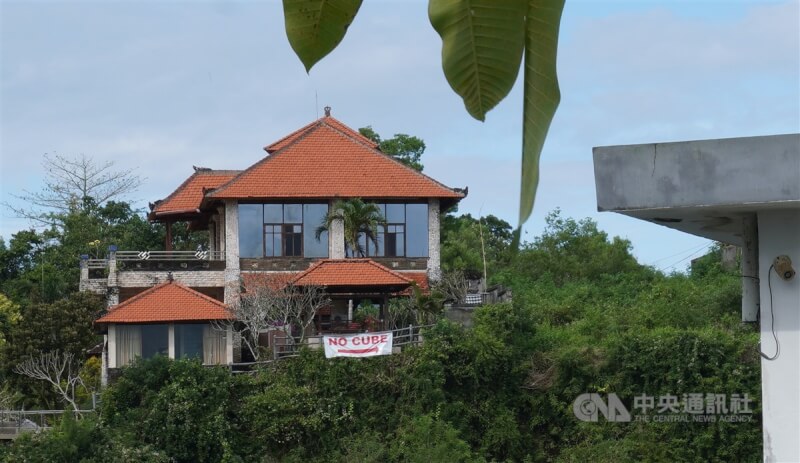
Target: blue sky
(162, 86)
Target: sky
(162, 86)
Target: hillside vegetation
(585, 317)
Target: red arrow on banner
(358, 351)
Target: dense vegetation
(585, 317)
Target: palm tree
(358, 217)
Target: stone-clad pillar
(336, 238)
(231, 230)
(434, 245)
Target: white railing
(169, 255)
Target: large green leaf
(482, 45)
(315, 27)
(541, 92)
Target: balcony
(142, 268)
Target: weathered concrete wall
(698, 173)
(205, 279)
(779, 234)
(434, 246)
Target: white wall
(779, 233)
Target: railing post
(112, 259)
(84, 271)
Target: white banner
(358, 345)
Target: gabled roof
(167, 302)
(333, 122)
(186, 199)
(350, 273)
(327, 159)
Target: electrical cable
(687, 257)
(772, 321)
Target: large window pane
(155, 340)
(250, 223)
(189, 341)
(395, 213)
(416, 230)
(273, 213)
(292, 213)
(313, 214)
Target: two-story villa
(261, 223)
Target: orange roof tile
(167, 302)
(326, 159)
(350, 272)
(273, 280)
(292, 137)
(188, 196)
(420, 278)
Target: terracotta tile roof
(188, 196)
(326, 159)
(274, 280)
(167, 302)
(420, 278)
(292, 137)
(350, 272)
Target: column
(434, 245)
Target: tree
(60, 369)
(358, 218)
(462, 249)
(74, 184)
(274, 304)
(483, 44)
(9, 317)
(405, 148)
(64, 326)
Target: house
(744, 192)
(261, 225)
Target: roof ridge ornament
(327, 111)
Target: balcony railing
(169, 255)
(151, 260)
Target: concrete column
(336, 238)
(171, 340)
(232, 273)
(112, 346)
(221, 227)
(779, 234)
(104, 363)
(212, 235)
(84, 271)
(750, 290)
(112, 266)
(229, 345)
(434, 245)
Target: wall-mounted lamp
(783, 267)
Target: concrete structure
(741, 191)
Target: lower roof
(167, 302)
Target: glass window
(250, 222)
(395, 240)
(273, 213)
(272, 241)
(416, 230)
(189, 341)
(292, 213)
(395, 213)
(292, 240)
(155, 340)
(313, 214)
